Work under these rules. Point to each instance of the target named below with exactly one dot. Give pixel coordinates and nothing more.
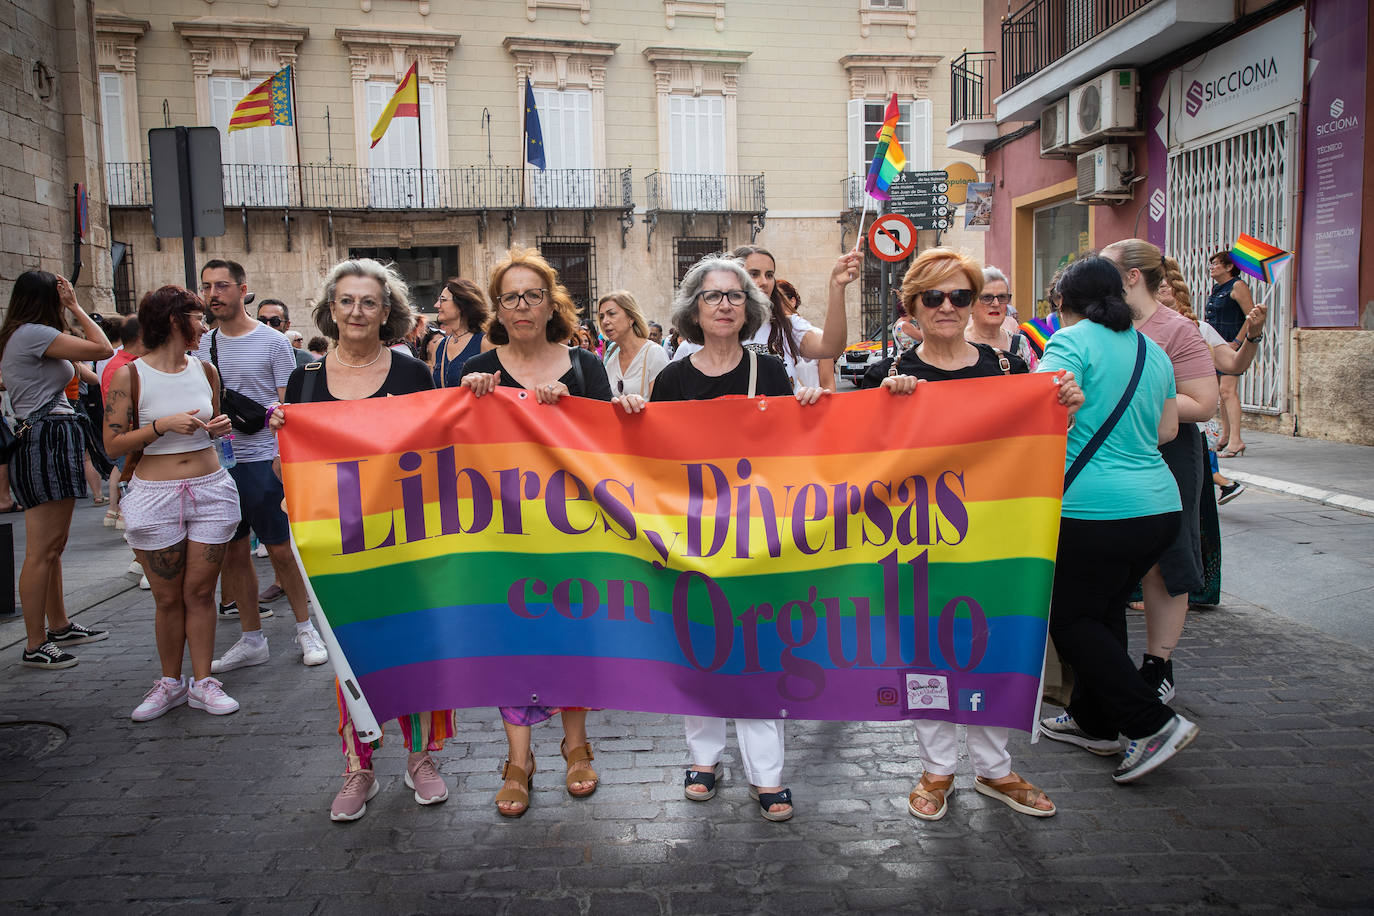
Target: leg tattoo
(169, 562)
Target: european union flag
(534, 136)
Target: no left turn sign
(892, 237)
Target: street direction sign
(892, 237)
(924, 198)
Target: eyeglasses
(531, 297)
(274, 321)
(348, 304)
(988, 298)
(959, 298)
(220, 287)
(712, 297)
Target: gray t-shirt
(255, 364)
(32, 378)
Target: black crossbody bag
(245, 414)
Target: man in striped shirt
(256, 361)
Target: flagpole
(524, 138)
(859, 239)
(296, 129)
(419, 133)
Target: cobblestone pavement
(1267, 812)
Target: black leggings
(1099, 563)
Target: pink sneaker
(167, 693)
(208, 694)
(423, 776)
(351, 802)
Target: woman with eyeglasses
(938, 291)
(635, 362)
(182, 507)
(462, 316)
(988, 323)
(534, 315)
(720, 309)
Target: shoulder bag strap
(1105, 429)
(753, 372)
(577, 372)
(312, 372)
(135, 391)
(214, 351)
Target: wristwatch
(1255, 339)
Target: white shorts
(161, 513)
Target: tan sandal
(519, 796)
(1018, 796)
(579, 769)
(932, 789)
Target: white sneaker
(166, 694)
(208, 694)
(136, 568)
(145, 584)
(313, 651)
(241, 654)
(261, 551)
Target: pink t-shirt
(1182, 341)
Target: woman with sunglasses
(938, 291)
(534, 315)
(635, 361)
(988, 324)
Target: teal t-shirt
(1126, 478)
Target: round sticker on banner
(892, 237)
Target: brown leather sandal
(579, 769)
(519, 796)
(1018, 796)
(932, 788)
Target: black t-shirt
(682, 381)
(911, 364)
(591, 384)
(407, 376)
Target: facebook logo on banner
(972, 700)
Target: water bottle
(225, 446)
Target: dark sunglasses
(274, 321)
(959, 298)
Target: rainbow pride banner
(1258, 259)
(870, 557)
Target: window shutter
(920, 153)
(855, 109)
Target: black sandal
(769, 799)
(705, 778)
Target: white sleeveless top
(161, 394)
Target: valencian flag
(534, 134)
(888, 159)
(404, 104)
(269, 105)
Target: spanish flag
(404, 104)
(269, 105)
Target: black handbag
(245, 414)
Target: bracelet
(1254, 339)
(156, 434)
(271, 410)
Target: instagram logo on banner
(1194, 99)
(888, 696)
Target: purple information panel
(1329, 260)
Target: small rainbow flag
(1259, 260)
(872, 557)
(888, 159)
(404, 104)
(269, 105)
(1039, 330)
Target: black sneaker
(1230, 492)
(1159, 674)
(76, 635)
(229, 611)
(48, 656)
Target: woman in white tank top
(182, 507)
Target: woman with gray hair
(719, 308)
(363, 304)
(988, 324)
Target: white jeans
(939, 744)
(760, 744)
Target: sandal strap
(577, 754)
(1020, 791)
(932, 788)
(519, 796)
(769, 799)
(705, 778)
(511, 771)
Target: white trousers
(760, 744)
(987, 748)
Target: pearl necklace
(365, 365)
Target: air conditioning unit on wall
(1104, 106)
(1104, 174)
(1054, 128)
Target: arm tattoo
(110, 411)
(169, 562)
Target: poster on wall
(1329, 258)
(978, 206)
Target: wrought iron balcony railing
(970, 87)
(339, 187)
(679, 191)
(1042, 31)
(852, 192)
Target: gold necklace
(365, 365)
